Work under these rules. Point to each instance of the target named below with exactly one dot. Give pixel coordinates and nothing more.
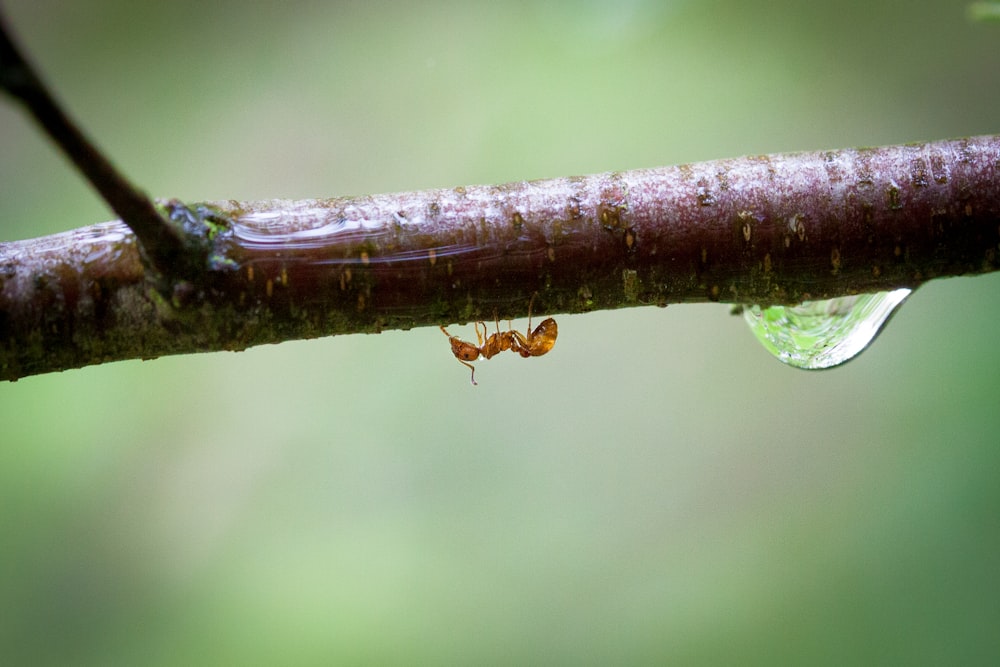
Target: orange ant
(532, 344)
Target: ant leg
(480, 339)
(521, 343)
(530, 304)
(472, 368)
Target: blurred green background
(657, 489)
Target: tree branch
(764, 229)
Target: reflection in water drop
(823, 334)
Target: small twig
(162, 243)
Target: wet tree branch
(176, 279)
(763, 229)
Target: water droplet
(823, 334)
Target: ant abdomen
(541, 340)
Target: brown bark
(765, 229)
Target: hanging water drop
(823, 334)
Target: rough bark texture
(765, 229)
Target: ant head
(462, 350)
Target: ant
(531, 344)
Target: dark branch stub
(163, 245)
